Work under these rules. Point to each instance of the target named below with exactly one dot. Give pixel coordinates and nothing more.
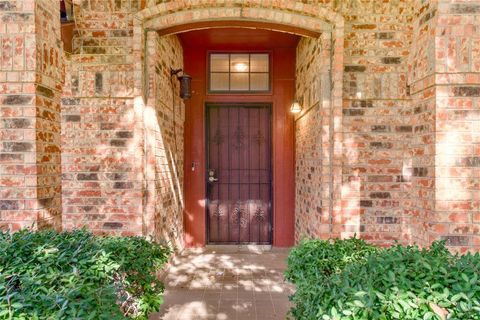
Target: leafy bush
(76, 275)
(319, 258)
(394, 283)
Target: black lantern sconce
(66, 10)
(185, 83)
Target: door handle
(211, 176)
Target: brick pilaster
(457, 126)
(31, 76)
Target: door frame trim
(271, 208)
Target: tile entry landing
(215, 284)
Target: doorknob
(211, 176)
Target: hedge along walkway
(220, 285)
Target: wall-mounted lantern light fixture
(185, 83)
(66, 10)
(296, 107)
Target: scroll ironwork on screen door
(239, 174)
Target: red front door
(239, 174)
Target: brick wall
(122, 168)
(419, 173)
(444, 85)
(313, 203)
(164, 119)
(31, 77)
(410, 170)
(375, 130)
(49, 83)
(102, 124)
(17, 124)
(457, 125)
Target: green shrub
(313, 262)
(76, 275)
(319, 258)
(394, 283)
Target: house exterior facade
(387, 146)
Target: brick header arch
(294, 14)
(261, 9)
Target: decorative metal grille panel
(239, 154)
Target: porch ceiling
(242, 38)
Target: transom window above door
(239, 72)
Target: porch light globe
(296, 107)
(240, 67)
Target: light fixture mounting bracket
(175, 72)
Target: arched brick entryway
(290, 14)
(293, 17)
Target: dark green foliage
(314, 259)
(75, 275)
(394, 283)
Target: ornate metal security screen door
(239, 174)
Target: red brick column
(31, 76)
(103, 142)
(419, 170)
(445, 89)
(457, 126)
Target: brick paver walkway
(220, 285)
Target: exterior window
(239, 72)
